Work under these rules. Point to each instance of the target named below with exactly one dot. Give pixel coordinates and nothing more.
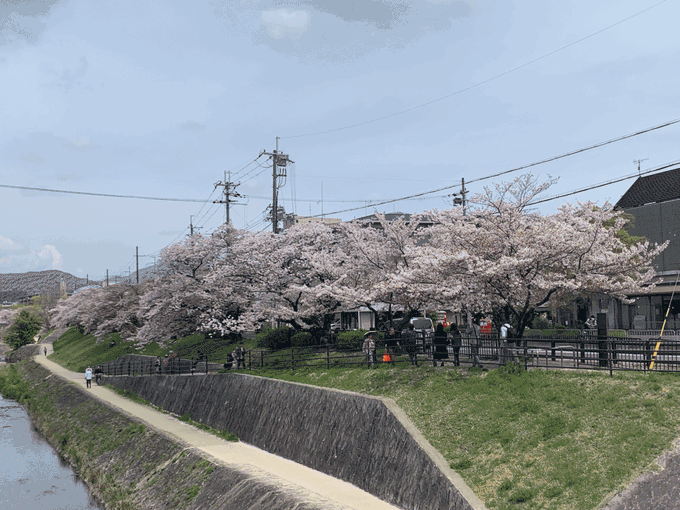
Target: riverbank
(128, 464)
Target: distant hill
(21, 286)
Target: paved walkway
(239, 456)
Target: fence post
(250, 361)
(261, 358)
(328, 356)
(292, 358)
(609, 356)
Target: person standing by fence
(456, 343)
(474, 335)
(368, 348)
(409, 340)
(440, 351)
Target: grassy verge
(536, 440)
(76, 351)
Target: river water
(32, 476)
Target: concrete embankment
(363, 440)
(130, 465)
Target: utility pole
(279, 163)
(459, 198)
(107, 278)
(137, 256)
(229, 192)
(191, 226)
(638, 161)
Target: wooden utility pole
(137, 256)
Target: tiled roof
(652, 189)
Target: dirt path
(239, 456)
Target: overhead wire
(483, 82)
(523, 167)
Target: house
(654, 202)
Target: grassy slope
(539, 440)
(76, 351)
(536, 440)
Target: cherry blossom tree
(501, 254)
(286, 276)
(372, 256)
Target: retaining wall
(349, 436)
(128, 465)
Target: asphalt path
(316, 487)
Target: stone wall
(128, 465)
(346, 435)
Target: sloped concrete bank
(363, 440)
(128, 465)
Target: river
(32, 476)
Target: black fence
(584, 352)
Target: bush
(278, 338)
(351, 339)
(302, 339)
(541, 323)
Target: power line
(548, 160)
(108, 195)
(478, 84)
(608, 183)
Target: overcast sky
(161, 98)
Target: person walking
(456, 342)
(508, 344)
(45, 350)
(474, 334)
(88, 377)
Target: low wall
(349, 436)
(128, 465)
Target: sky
(373, 101)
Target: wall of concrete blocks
(352, 437)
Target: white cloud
(7, 244)
(285, 23)
(43, 259)
(50, 255)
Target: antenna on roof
(638, 161)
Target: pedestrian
(508, 344)
(45, 350)
(240, 357)
(440, 351)
(474, 334)
(88, 377)
(456, 343)
(409, 341)
(368, 348)
(98, 374)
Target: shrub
(351, 339)
(25, 327)
(302, 339)
(278, 338)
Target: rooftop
(652, 189)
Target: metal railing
(587, 352)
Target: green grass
(521, 440)
(224, 434)
(534, 440)
(76, 351)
